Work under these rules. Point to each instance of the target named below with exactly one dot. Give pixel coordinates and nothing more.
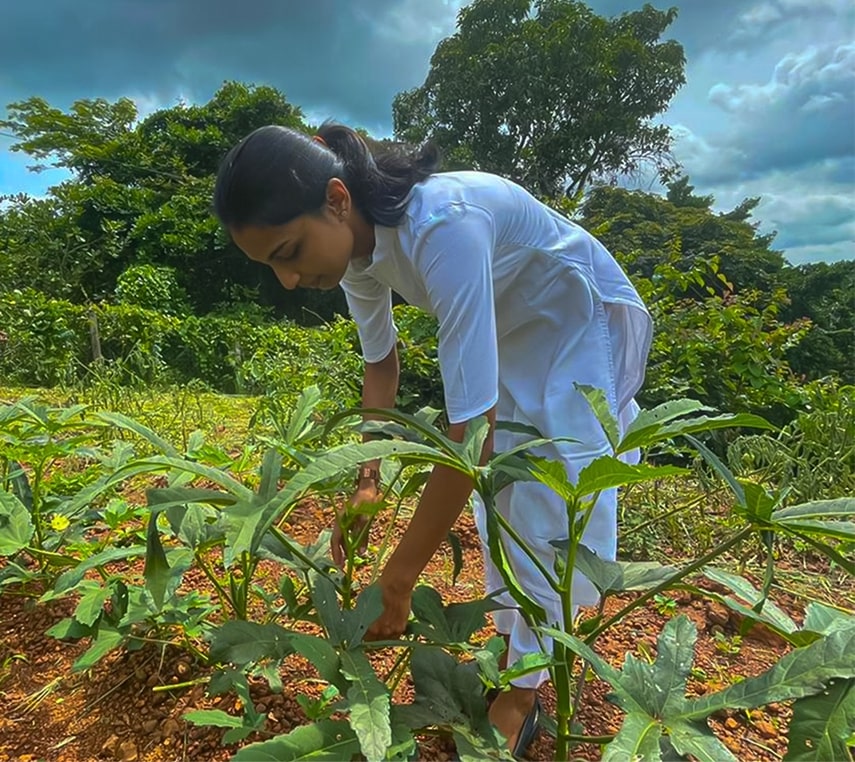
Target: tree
(140, 194)
(648, 225)
(824, 293)
(548, 94)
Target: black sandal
(528, 731)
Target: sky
(768, 108)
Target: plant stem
(512, 533)
(214, 581)
(662, 586)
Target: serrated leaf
(607, 471)
(803, 672)
(320, 653)
(329, 611)
(692, 426)
(697, 739)
(91, 604)
(105, 641)
(618, 576)
(368, 702)
(637, 739)
(553, 474)
(369, 607)
(822, 724)
(596, 398)
(16, 526)
(238, 642)
(322, 741)
(769, 614)
(69, 629)
(71, 578)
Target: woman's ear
(338, 198)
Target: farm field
(137, 647)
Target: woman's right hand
(366, 493)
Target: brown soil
(124, 708)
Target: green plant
(665, 605)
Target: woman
(527, 303)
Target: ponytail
(276, 174)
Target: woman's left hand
(396, 612)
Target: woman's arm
(442, 501)
(379, 388)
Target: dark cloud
(329, 55)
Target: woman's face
(314, 249)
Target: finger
(337, 550)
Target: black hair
(276, 174)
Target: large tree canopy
(549, 94)
(140, 193)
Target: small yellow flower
(59, 523)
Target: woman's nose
(288, 278)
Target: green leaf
(368, 701)
(697, 739)
(473, 440)
(768, 614)
(822, 724)
(241, 643)
(325, 740)
(213, 718)
(828, 551)
(605, 671)
(660, 688)
(722, 470)
(450, 625)
(69, 629)
(824, 619)
(553, 474)
(271, 470)
(129, 424)
(91, 604)
(252, 521)
(156, 571)
(818, 509)
(320, 653)
(369, 606)
(299, 424)
(329, 611)
(16, 527)
(637, 739)
(456, 554)
(839, 530)
(105, 641)
(607, 471)
(649, 421)
(618, 576)
(663, 432)
(596, 398)
(803, 672)
(167, 497)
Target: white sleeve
(454, 254)
(370, 304)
